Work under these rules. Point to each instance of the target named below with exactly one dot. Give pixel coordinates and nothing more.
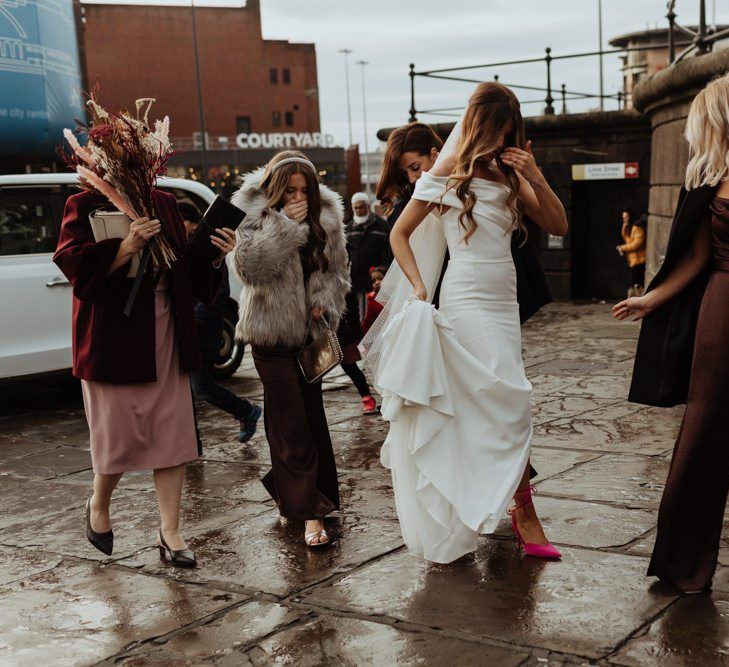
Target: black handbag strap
(143, 261)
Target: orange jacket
(634, 247)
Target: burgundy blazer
(108, 346)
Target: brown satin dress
(692, 508)
(303, 476)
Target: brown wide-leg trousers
(692, 508)
(303, 476)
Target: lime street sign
(605, 171)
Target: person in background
(374, 307)
(209, 320)
(349, 334)
(633, 249)
(367, 245)
(411, 150)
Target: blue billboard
(40, 76)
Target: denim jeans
(205, 388)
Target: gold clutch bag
(320, 356)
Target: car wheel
(231, 350)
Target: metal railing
(700, 40)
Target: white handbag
(113, 225)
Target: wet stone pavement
(259, 596)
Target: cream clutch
(113, 225)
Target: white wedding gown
(454, 387)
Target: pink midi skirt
(144, 426)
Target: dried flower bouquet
(121, 161)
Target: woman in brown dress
(696, 270)
(291, 258)
(134, 369)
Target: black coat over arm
(666, 344)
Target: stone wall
(560, 141)
(665, 98)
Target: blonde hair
(707, 132)
(491, 108)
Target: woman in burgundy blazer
(134, 369)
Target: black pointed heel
(104, 542)
(180, 558)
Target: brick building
(250, 86)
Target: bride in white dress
(452, 381)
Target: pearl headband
(290, 160)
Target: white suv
(35, 297)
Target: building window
(276, 119)
(287, 76)
(289, 119)
(243, 125)
(273, 75)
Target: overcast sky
(390, 34)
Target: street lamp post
(599, 32)
(346, 53)
(363, 63)
(200, 107)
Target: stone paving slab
(549, 461)
(573, 606)
(136, 522)
(693, 631)
(566, 407)
(590, 525)
(329, 640)
(266, 553)
(619, 434)
(83, 624)
(626, 481)
(26, 503)
(50, 464)
(215, 479)
(598, 386)
(368, 495)
(16, 564)
(17, 446)
(72, 430)
(222, 639)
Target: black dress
(692, 508)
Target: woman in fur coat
(292, 260)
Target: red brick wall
(146, 51)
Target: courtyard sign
(605, 171)
(285, 140)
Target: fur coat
(275, 305)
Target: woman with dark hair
(291, 257)
(411, 150)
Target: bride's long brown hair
(491, 108)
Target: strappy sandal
(310, 537)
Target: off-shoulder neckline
(488, 180)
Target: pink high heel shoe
(522, 499)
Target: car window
(187, 196)
(28, 221)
